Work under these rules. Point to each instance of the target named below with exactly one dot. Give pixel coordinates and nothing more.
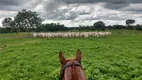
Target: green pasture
(116, 57)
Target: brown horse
(71, 69)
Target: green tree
(27, 19)
(6, 22)
(100, 25)
(129, 21)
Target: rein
(76, 63)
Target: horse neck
(74, 73)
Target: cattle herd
(71, 34)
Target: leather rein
(76, 63)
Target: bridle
(76, 63)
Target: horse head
(71, 69)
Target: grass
(117, 57)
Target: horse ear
(78, 56)
(61, 57)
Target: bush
(138, 27)
(4, 30)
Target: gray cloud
(52, 4)
(12, 5)
(92, 1)
(76, 9)
(52, 10)
(115, 6)
(111, 4)
(64, 14)
(10, 2)
(96, 1)
(135, 8)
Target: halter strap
(76, 63)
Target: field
(116, 57)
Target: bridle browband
(76, 63)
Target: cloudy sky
(75, 12)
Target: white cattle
(71, 34)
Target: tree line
(29, 21)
